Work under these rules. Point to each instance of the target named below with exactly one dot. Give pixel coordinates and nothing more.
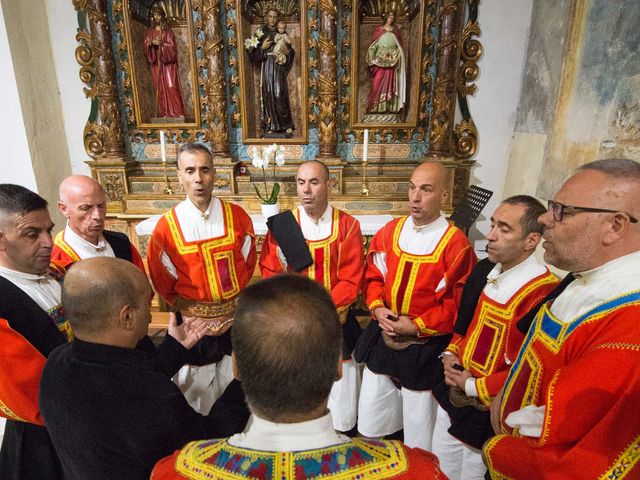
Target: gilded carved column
(328, 79)
(110, 135)
(103, 136)
(444, 99)
(216, 85)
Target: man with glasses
(569, 408)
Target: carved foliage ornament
(465, 133)
(214, 104)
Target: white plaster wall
(63, 23)
(15, 159)
(505, 32)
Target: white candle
(163, 148)
(365, 148)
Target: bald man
(84, 203)
(337, 249)
(570, 404)
(415, 270)
(112, 411)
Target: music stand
(475, 199)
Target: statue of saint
(270, 48)
(388, 68)
(162, 55)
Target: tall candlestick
(365, 147)
(163, 148)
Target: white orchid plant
(272, 155)
(252, 42)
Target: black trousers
(28, 454)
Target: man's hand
(266, 43)
(404, 326)
(494, 408)
(386, 319)
(456, 378)
(448, 359)
(188, 334)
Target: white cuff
(528, 420)
(470, 387)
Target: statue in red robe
(162, 55)
(388, 67)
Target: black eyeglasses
(558, 209)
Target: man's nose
(546, 219)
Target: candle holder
(167, 184)
(163, 151)
(365, 185)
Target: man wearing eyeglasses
(569, 408)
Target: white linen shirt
(264, 435)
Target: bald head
(75, 184)
(621, 187)
(84, 203)
(427, 192)
(97, 292)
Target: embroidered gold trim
(65, 247)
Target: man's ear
(532, 241)
(234, 367)
(125, 317)
(615, 229)
(444, 197)
(63, 209)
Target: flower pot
(269, 210)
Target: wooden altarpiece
(328, 87)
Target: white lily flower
(258, 162)
(280, 159)
(258, 33)
(268, 151)
(251, 42)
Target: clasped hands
(454, 376)
(394, 325)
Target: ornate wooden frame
(139, 130)
(247, 86)
(415, 129)
(129, 67)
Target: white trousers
(203, 385)
(384, 409)
(457, 460)
(343, 399)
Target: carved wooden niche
(160, 64)
(270, 77)
(386, 63)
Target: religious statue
(270, 48)
(162, 55)
(388, 68)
